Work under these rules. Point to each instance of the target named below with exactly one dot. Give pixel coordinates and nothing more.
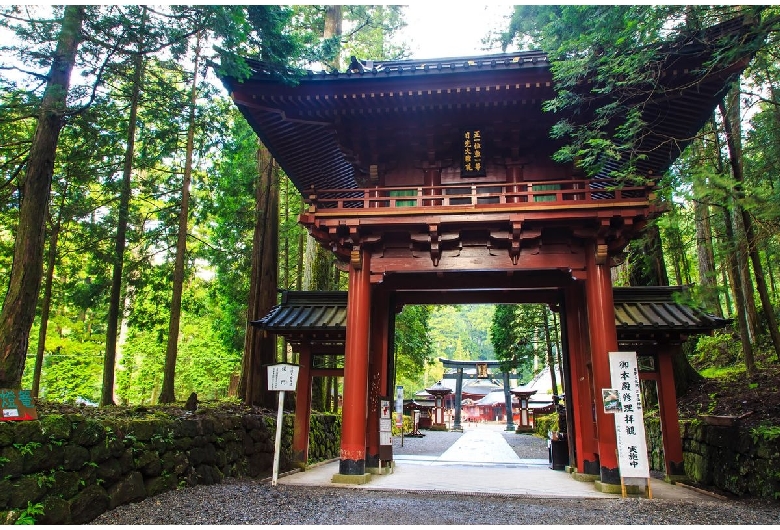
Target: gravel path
(250, 502)
(247, 501)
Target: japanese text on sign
(282, 377)
(17, 405)
(629, 422)
(472, 162)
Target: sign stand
(647, 485)
(281, 377)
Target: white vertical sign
(281, 377)
(629, 420)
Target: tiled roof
(637, 309)
(641, 309)
(320, 315)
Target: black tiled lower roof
(637, 310)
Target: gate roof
(330, 129)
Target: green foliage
(413, 348)
(518, 336)
(716, 352)
(544, 424)
(28, 448)
(766, 433)
(30, 514)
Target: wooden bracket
(601, 254)
(356, 258)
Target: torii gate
(459, 376)
(434, 182)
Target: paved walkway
(479, 462)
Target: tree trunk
(647, 260)
(24, 283)
(735, 158)
(739, 297)
(550, 358)
(167, 394)
(706, 255)
(259, 347)
(46, 307)
(114, 304)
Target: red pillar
(302, 408)
(603, 339)
(353, 419)
(670, 427)
(584, 428)
(377, 374)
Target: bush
(408, 427)
(546, 423)
(719, 349)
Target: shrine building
(432, 182)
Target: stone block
(56, 426)
(75, 457)
(88, 432)
(109, 471)
(43, 458)
(88, 504)
(130, 489)
(66, 484)
(25, 489)
(156, 485)
(55, 511)
(149, 463)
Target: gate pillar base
(609, 488)
(610, 475)
(338, 478)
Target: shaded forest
(142, 224)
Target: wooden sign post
(281, 377)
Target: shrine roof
(637, 309)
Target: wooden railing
(457, 196)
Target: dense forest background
(135, 200)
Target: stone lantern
(438, 391)
(523, 397)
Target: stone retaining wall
(734, 460)
(78, 467)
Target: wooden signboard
(17, 405)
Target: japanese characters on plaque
(17, 405)
(629, 419)
(472, 164)
(282, 377)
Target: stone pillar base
(671, 479)
(338, 478)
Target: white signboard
(282, 377)
(629, 420)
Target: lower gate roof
(641, 314)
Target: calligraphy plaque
(472, 153)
